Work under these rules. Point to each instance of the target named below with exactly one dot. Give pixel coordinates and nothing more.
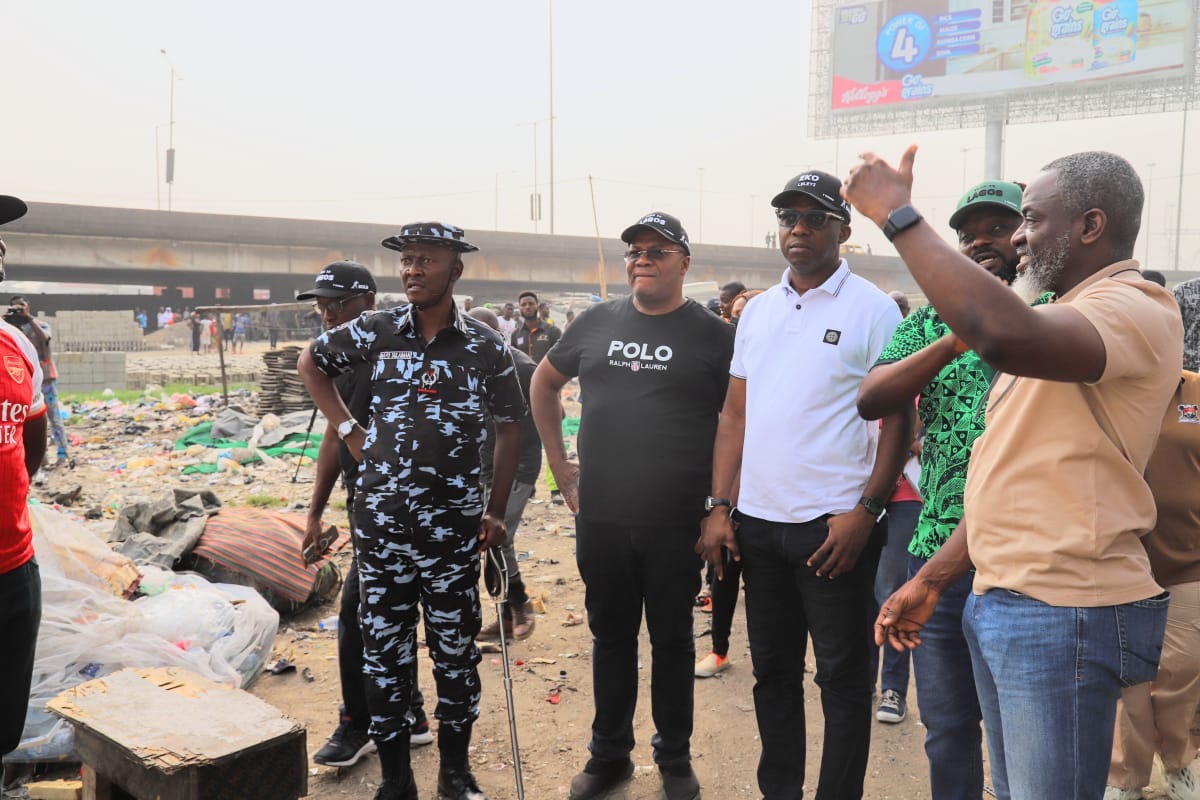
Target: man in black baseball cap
(342, 291)
(664, 225)
(11, 208)
(820, 186)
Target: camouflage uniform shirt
(427, 404)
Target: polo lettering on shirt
(639, 355)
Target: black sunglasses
(813, 220)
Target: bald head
(901, 300)
(486, 316)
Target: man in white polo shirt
(814, 480)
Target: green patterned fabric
(951, 407)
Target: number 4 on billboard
(904, 47)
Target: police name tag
(397, 355)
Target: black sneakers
(680, 783)
(457, 783)
(345, 747)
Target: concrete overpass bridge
(190, 259)
(205, 259)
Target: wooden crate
(169, 734)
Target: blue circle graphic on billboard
(904, 42)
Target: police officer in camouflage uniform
(418, 506)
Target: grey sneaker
(892, 707)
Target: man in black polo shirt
(653, 370)
(418, 508)
(342, 291)
(535, 336)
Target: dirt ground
(555, 660)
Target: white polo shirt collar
(831, 286)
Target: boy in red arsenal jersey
(22, 445)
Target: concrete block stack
(90, 372)
(96, 331)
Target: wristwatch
(346, 428)
(875, 508)
(711, 502)
(901, 219)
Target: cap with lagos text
(999, 194)
(430, 233)
(820, 186)
(664, 225)
(340, 279)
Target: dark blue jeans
(890, 576)
(625, 568)
(785, 604)
(20, 618)
(947, 699)
(1048, 679)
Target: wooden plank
(170, 718)
(55, 790)
(95, 786)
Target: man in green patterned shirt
(925, 359)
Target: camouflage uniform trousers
(437, 566)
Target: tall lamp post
(550, 17)
(170, 134)
(535, 199)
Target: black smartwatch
(875, 508)
(711, 502)
(901, 219)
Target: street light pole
(535, 205)
(700, 227)
(170, 135)
(550, 16)
(1149, 211)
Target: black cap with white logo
(663, 224)
(820, 186)
(341, 279)
(437, 233)
(11, 208)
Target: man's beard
(1043, 268)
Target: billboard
(896, 53)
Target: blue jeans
(946, 697)
(890, 576)
(1048, 680)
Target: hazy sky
(395, 111)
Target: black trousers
(786, 603)
(20, 618)
(626, 569)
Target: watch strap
(901, 219)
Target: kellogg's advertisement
(900, 51)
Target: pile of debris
(281, 390)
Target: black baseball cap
(820, 186)
(11, 208)
(430, 233)
(661, 223)
(341, 279)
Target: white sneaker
(1113, 793)
(1182, 785)
(711, 664)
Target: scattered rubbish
(307, 674)
(572, 620)
(553, 698)
(330, 623)
(280, 666)
(541, 660)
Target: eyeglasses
(334, 306)
(813, 220)
(654, 254)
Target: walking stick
(496, 579)
(303, 447)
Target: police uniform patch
(1189, 413)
